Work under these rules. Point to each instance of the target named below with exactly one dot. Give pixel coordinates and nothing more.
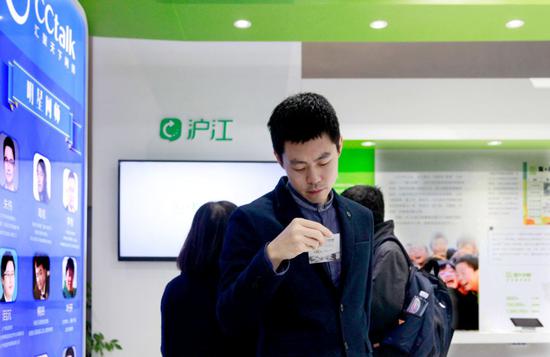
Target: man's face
(312, 167)
(39, 178)
(468, 248)
(448, 275)
(8, 280)
(467, 277)
(439, 247)
(71, 194)
(40, 277)
(418, 256)
(9, 165)
(69, 275)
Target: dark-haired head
(370, 197)
(300, 118)
(8, 143)
(70, 265)
(69, 352)
(6, 257)
(469, 260)
(42, 260)
(201, 251)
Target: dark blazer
(189, 325)
(36, 293)
(299, 313)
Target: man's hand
(300, 236)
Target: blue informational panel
(43, 74)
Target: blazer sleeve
(247, 281)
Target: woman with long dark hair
(188, 306)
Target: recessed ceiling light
(242, 24)
(494, 143)
(368, 143)
(1, 17)
(514, 24)
(379, 24)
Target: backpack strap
(379, 242)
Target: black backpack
(426, 327)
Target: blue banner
(24, 89)
(43, 66)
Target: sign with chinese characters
(43, 104)
(197, 129)
(24, 89)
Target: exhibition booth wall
(220, 95)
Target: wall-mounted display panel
(158, 199)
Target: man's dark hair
(42, 260)
(8, 142)
(470, 260)
(370, 197)
(69, 352)
(70, 265)
(7, 257)
(300, 118)
(201, 250)
(451, 252)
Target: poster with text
(481, 214)
(43, 73)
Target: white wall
(136, 83)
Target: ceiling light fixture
(515, 24)
(379, 24)
(494, 143)
(368, 143)
(242, 24)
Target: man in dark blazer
(268, 285)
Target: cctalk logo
(47, 17)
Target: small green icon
(170, 129)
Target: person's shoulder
(390, 242)
(354, 207)
(178, 283)
(257, 207)
(391, 250)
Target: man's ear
(279, 159)
(340, 145)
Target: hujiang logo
(46, 16)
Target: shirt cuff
(283, 267)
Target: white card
(328, 252)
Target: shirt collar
(302, 202)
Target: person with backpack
(412, 310)
(390, 270)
